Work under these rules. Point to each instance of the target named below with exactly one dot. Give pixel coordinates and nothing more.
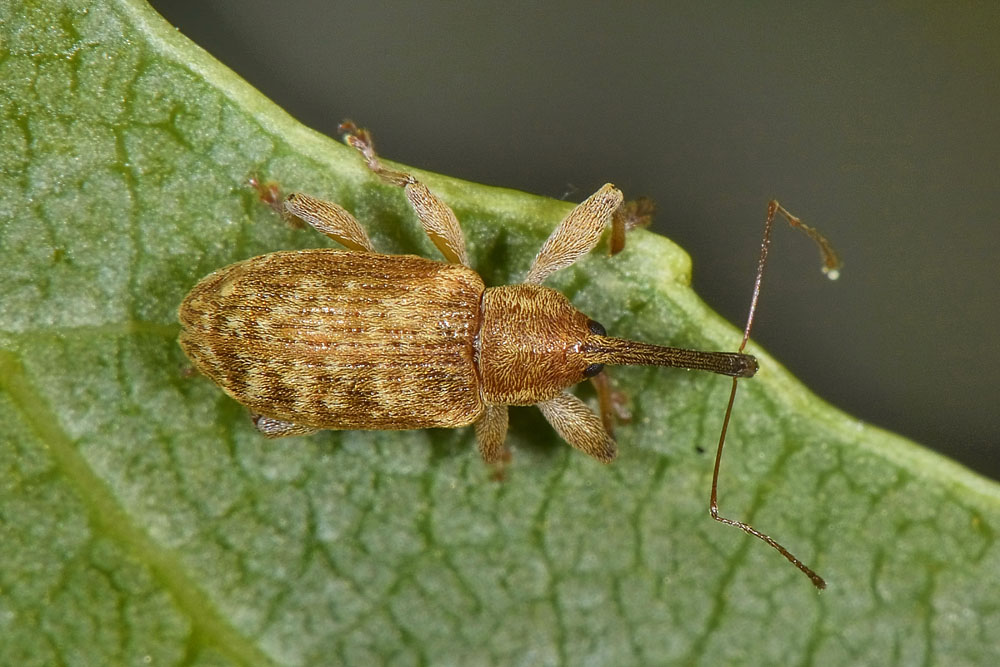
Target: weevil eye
(593, 369)
(596, 328)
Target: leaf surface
(142, 518)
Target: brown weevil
(353, 339)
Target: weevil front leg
(577, 234)
(438, 220)
(579, 426)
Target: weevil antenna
(831, 267)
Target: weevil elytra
(353, 339)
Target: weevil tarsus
(831, 267)
(630, 215)
(268, 192)
(360, 139)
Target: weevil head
(533, 344)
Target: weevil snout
(612, 351)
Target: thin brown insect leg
(831, 265)
(612, 403)
(631, 214)
(268, 192)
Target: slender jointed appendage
(268, 192)
(613, 404)
(437, 218)
(576, 235)
(831, 267)
(330, 219)
(361, 139)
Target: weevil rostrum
(353, 339)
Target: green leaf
(143, 520)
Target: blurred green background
(877, 124)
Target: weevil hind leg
(438, 220)
(268, 192)
(276, 428)
(579, 426)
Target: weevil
(354, 339)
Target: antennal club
(831, 267)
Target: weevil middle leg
(327, 218)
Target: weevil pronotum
(335, 339)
